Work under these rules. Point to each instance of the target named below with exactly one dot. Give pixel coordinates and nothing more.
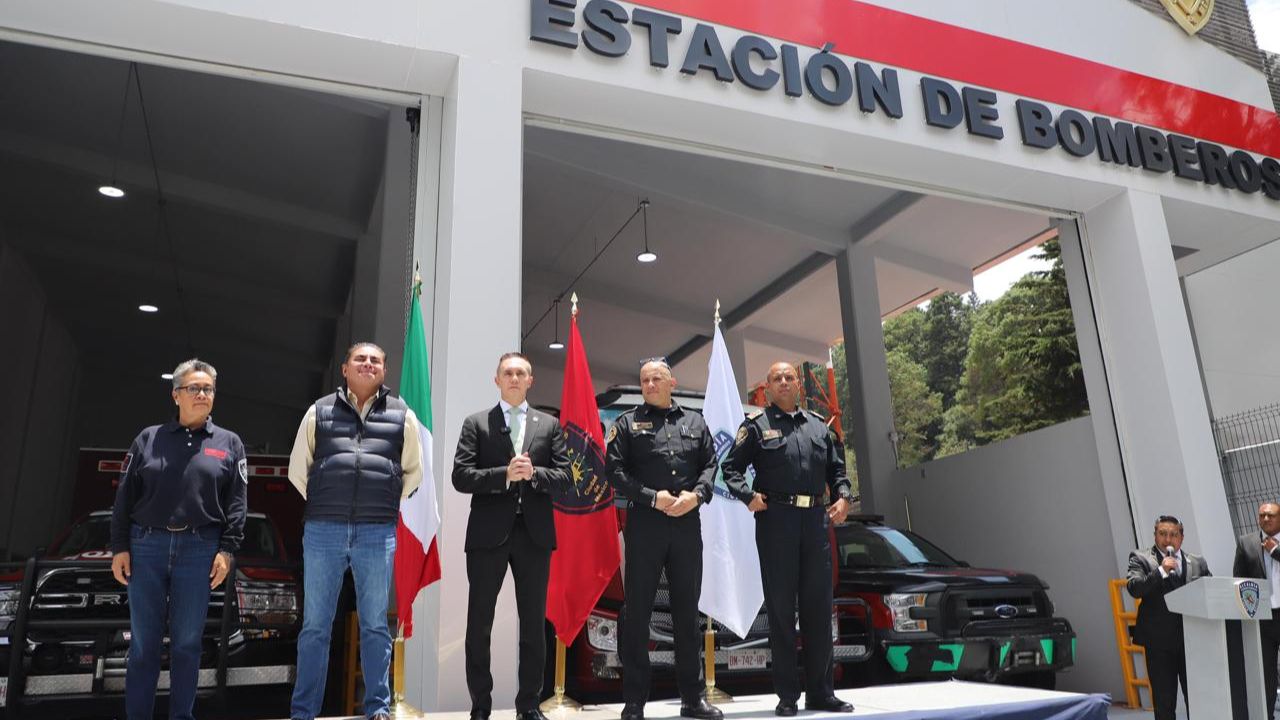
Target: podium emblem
(1191, 15)
(1250, 594)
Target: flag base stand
(715, 695)
(560, 703)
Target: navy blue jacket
(175, 476)
(356, 475)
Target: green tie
(517, 428)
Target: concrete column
(1166, 441)
(869, 408)
(477, 318)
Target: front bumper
(986, 651)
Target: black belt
(800, 501)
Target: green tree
(1022, 371)
(915, 408)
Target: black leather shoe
(534, 714)
(828, 704)
(786, 708)
(479, 715)
(633, 711)
(702, 710)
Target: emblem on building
(1191, 15)
(1250, 596)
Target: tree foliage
(964, 373)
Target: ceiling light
(556, 344)
(166, 376)
(111, 191)
(646, 255)
(148, 308)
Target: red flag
(586, 555)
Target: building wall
(1035, 497)
(37, 436)
(1229, 28)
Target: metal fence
(1249, 451)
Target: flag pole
(559, 701)
(714, 694)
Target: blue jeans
(328, 549)
(169, 580)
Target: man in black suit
(1153, 573)
(1258, 556)
(508, 458)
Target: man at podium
(1153, 573)
(1258, 556)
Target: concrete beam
(950, 276)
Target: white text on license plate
(751, 659)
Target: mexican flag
(417, 562)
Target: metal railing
(1249, 453)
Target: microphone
(1168, 550)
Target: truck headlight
(266, 597)
(602, 632)
(900, 605)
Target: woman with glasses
(178, 518)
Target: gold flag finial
(717, 311)
(574, 299)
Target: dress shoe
(534, 714)
(479, 715)
(701, 710)
(786, 708)
(633, 711)
(828, 704)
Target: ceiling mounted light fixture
(166, 376)
(148, 308)
(646, 255)
(111, 189)
(556, 344)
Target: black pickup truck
(933, 617)
(64, 624)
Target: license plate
(752, 659)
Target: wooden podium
(1224, 656)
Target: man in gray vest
(356, 455)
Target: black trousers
(1167, 669)
(1270, 632)
(795, 562)
(486, 569)
(655, 542)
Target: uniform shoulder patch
(613, 433)
(243, 468)
(741, 437)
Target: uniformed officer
(797, 461)
(177, 520)
(662, 459)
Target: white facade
(1145, 450)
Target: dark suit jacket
(480, 469)
(1248, 560)
(1157, 626)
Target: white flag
(732, 591)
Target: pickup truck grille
(86, 594)
(994, 604)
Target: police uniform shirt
(652, 449)
(793, 454)
(175, 476)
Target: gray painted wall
(986, 507)
(36, 428)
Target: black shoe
(786, 708)
(534, 714)
(633, 711)
(479, 715)
(701, 710)
(828, 704)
